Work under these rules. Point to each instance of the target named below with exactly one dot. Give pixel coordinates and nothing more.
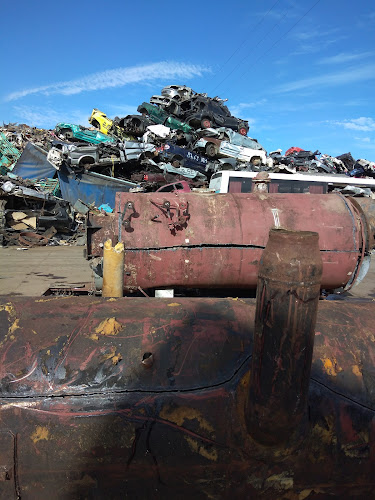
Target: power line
(279, 39)
(254, 47)
(255, 27)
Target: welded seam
(342, 395)
(208, 245)
(174, 391)
(129, 391)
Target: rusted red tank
(145, 398)
(196, 240)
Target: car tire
(206, 123)
(177, 161)
(96, 124)
(211, 151)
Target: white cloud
(237, 110)
(344, 57)
(363, 139)
(116, 78)
(48, 118)
(310, 34)
(350, 75)
(363, 123)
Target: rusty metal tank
(196, 240)
(147, 398)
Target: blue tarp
(90, 187)
(33, 164)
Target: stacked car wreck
(180, 140)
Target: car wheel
(211, 150)
(205, 122)
(226, 166)
(95, 124)
(177, 161)
(243, 131)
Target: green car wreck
(71, 131)
(157, 115)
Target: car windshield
(242, 140)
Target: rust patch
(108, 327)
(40, 434)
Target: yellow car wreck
(100, 120)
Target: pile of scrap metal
(32, 214)
(180, 136)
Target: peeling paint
(182, 413)
(356, 371)
(109, 326)
(40, 434)
(330, 366)
(201, 449)
(115, 358)
(280, 482)
(54, 298)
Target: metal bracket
(176, 213)
(126, 222)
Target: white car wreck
(224, 142)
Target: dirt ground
(31, 272)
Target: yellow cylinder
(113, 269)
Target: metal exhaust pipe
(286, 309)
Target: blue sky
(302, 72)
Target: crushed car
(74, 132)
(158, 115)
(225, 142)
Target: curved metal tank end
(286, 309)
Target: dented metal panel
(90, 420)
(211, 240)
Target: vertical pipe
(113, 269)
(287, 301)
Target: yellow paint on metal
(330, 366)
(109, 327)
(180, 414)
(280, 482)
(113, 269)
(356, 371)
(40, 434)
(54, 298)
(9, 308)
(201, 449)
(115, 358)
(173, 304)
